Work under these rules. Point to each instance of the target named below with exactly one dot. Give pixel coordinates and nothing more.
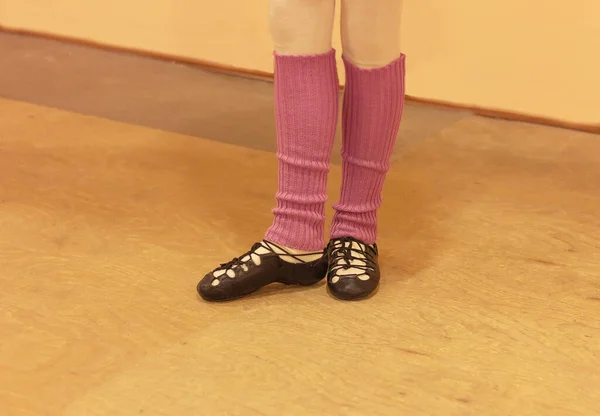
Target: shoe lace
(347, 251)
(237, 261)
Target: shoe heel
(309, 276)
(310, 280)
(317, 273)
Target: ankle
(285, 251)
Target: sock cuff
(314, 68)
(398, 62)
(330, 53)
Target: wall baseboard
(232, 70)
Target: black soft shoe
(353, 268)
(260, 266)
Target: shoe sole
(351, 298)
(306, 283)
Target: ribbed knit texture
(371, 113)
(306, 112)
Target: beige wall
(538, 57)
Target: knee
(369, 53)
(284, 4)
(301, 26)
(371, 32)
(286, 7)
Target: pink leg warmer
(372, 109)
(306, 111)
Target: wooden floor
(489, 305)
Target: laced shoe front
(353, 271)
(263, 264)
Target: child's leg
(372, 109)
(306, 109)
(301, 27)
